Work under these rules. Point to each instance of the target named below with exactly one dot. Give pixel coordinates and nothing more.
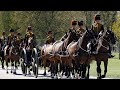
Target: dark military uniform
(10, 39)
(18, 39)
(27, 36)
(73, 31)
(97, 27)
(3, 41)
(50, 39)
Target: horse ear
(66, 33)
(86, 28)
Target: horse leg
(84, 71)
(29, 69)
(7, 66)
(12, 66)
(2, 61)
(59, 69)
(63, 68)
(98, 70)
(56, 69)
(105, 68)
(15, 67)
(88, 72)
(80, 70)
(44, 63)
(52, 69)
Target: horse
(80, 46)
(50, 51)
(28, 49)
(102, 48)
(12, 55)
(2, 53)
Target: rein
(103, 45)
(81, 47)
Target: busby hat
(49, 32)
(97, 17)
(74, 23)
(29, 27)
(11, 30)
(18, 34)
(80, 23)
(3, 33)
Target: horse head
(88, 34)
(110, 36)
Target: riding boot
(109, 53)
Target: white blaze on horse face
(88, 46)
(5, 50)
(100, 33)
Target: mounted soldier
(19, 39)
(29, 34)
(3, 40)
(98, 30)
(73, 30)
(10, 39)
(80, 30)
(50, 38)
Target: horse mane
(80, 40)
(70, 44)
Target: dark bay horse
(12, 56)
(81, 47)
(103, 44)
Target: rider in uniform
(80, 30)
(3, 40)
(10, 38)
(71, 30)
(19, 39)
(50, 38)
(98, 30)
(3, 44)
(29, 34)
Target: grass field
(113, 67)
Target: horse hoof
(86, 77)
(11, 71)
(29, 73)
(103, 76)
(98, 77)
(3, 68)
(44, 73)
(7, 72)
(14, 72)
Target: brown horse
(2, 45)
(49, 52)
(81, 47)
(103, 46)
(12, 56)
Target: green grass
(113, 67)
